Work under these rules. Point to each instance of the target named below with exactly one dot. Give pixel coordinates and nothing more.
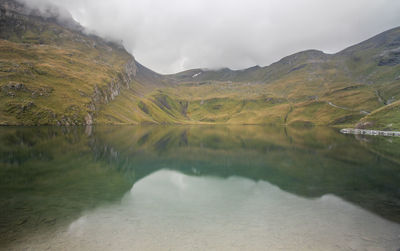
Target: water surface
(198, 187)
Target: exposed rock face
(9, 7)
(12, 8)
(106, 94)
(89, 119)
(13, 86)
(364, 125)
(390, 58)
(16, 19)
(130, 71)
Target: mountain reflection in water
(313, 184)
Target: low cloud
(175, 35)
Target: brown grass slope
(51, 72)
(318, 88)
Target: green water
(197, 187)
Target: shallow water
(198, 187)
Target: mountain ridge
(53, 73)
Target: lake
(197, 188)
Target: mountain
(310, 87)
(53, 73)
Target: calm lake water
(197, 188)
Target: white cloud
(174, 35)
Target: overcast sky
(174, 35)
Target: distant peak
(311, 52)
(256, 67)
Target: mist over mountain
(101, 151)
(172, 36)
(54, 72)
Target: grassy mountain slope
(144, 102)
(51, 72)
(386, 117)
(309, 87)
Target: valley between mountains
(53, 73)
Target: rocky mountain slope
(53, 73)
(309, 87)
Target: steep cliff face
(104, 95)
(51, 72)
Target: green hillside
(309, 87)
(51, 72)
